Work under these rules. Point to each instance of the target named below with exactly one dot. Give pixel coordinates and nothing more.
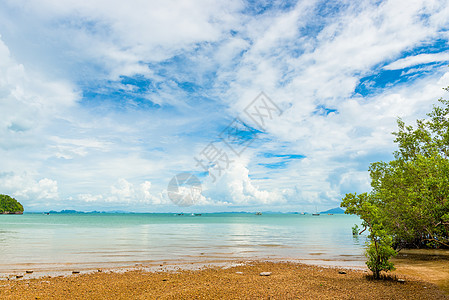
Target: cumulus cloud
(127, 193)
(25, 187)
(235, 188)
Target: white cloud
(28, 102)
(123, 193)
(128, 193)
(235, 187)
(25, 187)
(419, 59)
(114, 36)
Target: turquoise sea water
(62, 241)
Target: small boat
(258, 213)
(197, 214)
(317, 214)
(180, 214)
(330, 214)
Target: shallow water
(64, 241)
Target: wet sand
(287, 280)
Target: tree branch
(362, 230)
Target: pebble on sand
(265, 274)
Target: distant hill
(336, 210)
(9, 205)
(66, 211)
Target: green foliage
(379, 252)
(414, 197)
(8, 204)
(379, 249)
(355, 230)
(409, 202)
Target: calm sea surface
(62, 241)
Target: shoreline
(242, 280)
(59, 269)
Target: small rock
(164, 279)
(29, 271)
(99, 270)
(19, 276)
(341, 272)
(75, 272)
(401, 280)
(265, 274)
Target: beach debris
(29, 271)
(400, 280)
(99, 270)
(341, 272)
(19, 276)
(265, 274)
(164, 279)
(75, 272)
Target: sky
(103, 103)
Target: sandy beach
(286, 281)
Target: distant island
(336, 210)
(10, 206)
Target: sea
(62, 242)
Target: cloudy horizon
(103, 102)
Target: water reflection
(121, 238)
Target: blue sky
(103, 102)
